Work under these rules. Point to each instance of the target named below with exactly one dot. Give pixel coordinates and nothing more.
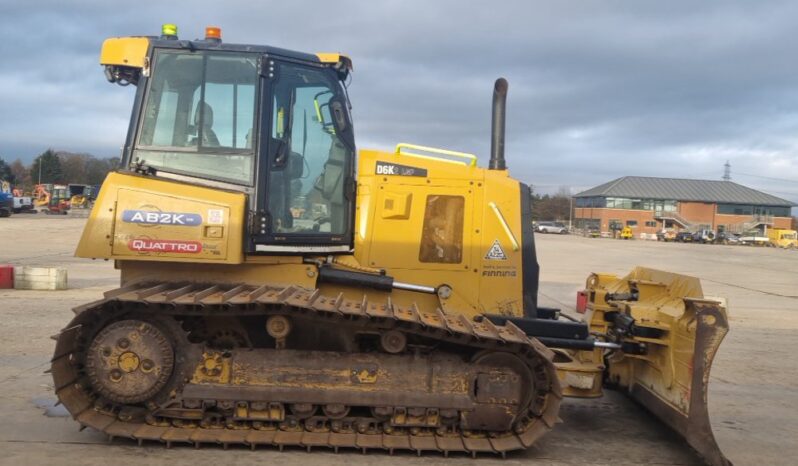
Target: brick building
(650, 204)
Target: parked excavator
(58, 198)
(79, 196)
(273, 293)
(41, 195)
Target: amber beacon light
(213, 33)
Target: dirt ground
(753, 397)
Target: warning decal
(215, 217)
(496, 253)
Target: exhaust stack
(497, 126)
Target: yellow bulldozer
(276, 290)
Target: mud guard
(682, 332)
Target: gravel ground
(753, 398)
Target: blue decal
(150, 217)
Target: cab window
(199, 115)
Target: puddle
(49, 407)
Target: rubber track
(194, 299)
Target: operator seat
(331, 184)
(209, 138)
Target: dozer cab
(275, 293)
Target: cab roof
(132, 51)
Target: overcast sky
(598, 89)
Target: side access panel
(145, 218)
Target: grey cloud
(598, 89)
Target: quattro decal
(164, 245)
(150, 217)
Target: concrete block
(40, 278)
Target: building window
(592, 202)
(631, 223)
(741, 209)
(735, 209)
(776, 211)
(670, 206)
(657, 205)
(651, 223)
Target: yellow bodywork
(335, 58)
(135, 220)
(78, 201)
(783, 238)
(124, 51)
(148, 219)
(681, 330)
(390, 218)
(627, 233)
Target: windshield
(199, 115)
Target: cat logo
(496, 253)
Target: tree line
(551, 207)
(57, 167)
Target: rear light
(581, 302)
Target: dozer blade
(681, 331)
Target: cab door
(306, 181)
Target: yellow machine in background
(782, 238)
(79, 201)
(272, 294)
(626, 233)
(41, 195)
(79, 196)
